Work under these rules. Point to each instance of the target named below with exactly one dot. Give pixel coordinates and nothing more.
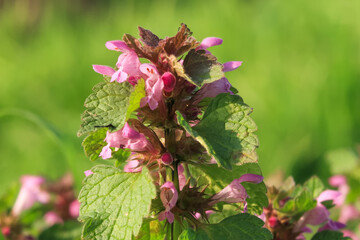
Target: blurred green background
(300, 74)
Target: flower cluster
(289, 220)
(57, 198)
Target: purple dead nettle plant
(181, 140)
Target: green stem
(171, 148)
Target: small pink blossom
(231, 66)
(169, 81)
(128, 64)
(74, 208)
(133, 166)
(52, 218)
(211, 90)
(88, 173)
(167, 158)
(30, 193)
(6, 231)
(182, 178)
(340, 182)
(350, 234)
(348, 212)
(169, 197)
(125, 138)
(154, 86)
(117, 75)
(320, 213)
(207, 212)
(235, 192)
(209, 42)
(128, 61)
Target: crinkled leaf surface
(152, 230)
(315, 186)
(135, 97)
(202, 67)
(302, 201)
(114, 203)
(226, 131)
(329, 235)
(94, 143)
(218, 178)
(107, 106)
(239, 227)
(69, 230)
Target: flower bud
(167, 158)
(273, 221)
(169, 81)
(6, 231)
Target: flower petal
(209, 42)
(105, 152)
(337, 180)
(88, 173)
(117, 45)
(231, 66)
(128, 132)
(104, 70)
(328, 195)
(253, 178)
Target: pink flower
(209, 42)
(154, 86)
(340, 182)
(52, 218)
(348, 212)
(128, 61)
(169, 81)
(88, 173)
(320, 213)
(235, 192)
(167, 158)
(74, 208)
(182, 178)
(6, 231)
(207, 212)
(169, 197)
(133, 166)
(128, 64)
(350, 234)
(30, 193)
(119, 75)
(125, 138)
(231, 66)
(211, 90)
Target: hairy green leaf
(301, 202)
(315, 186)
(135, 97)
(69, 230)
(202, 67)
(152, 230)
(114, 203)
(329, 235)
(226, 131)
(94, 143)
(219, 178)
(240, 227)
(107, 106)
